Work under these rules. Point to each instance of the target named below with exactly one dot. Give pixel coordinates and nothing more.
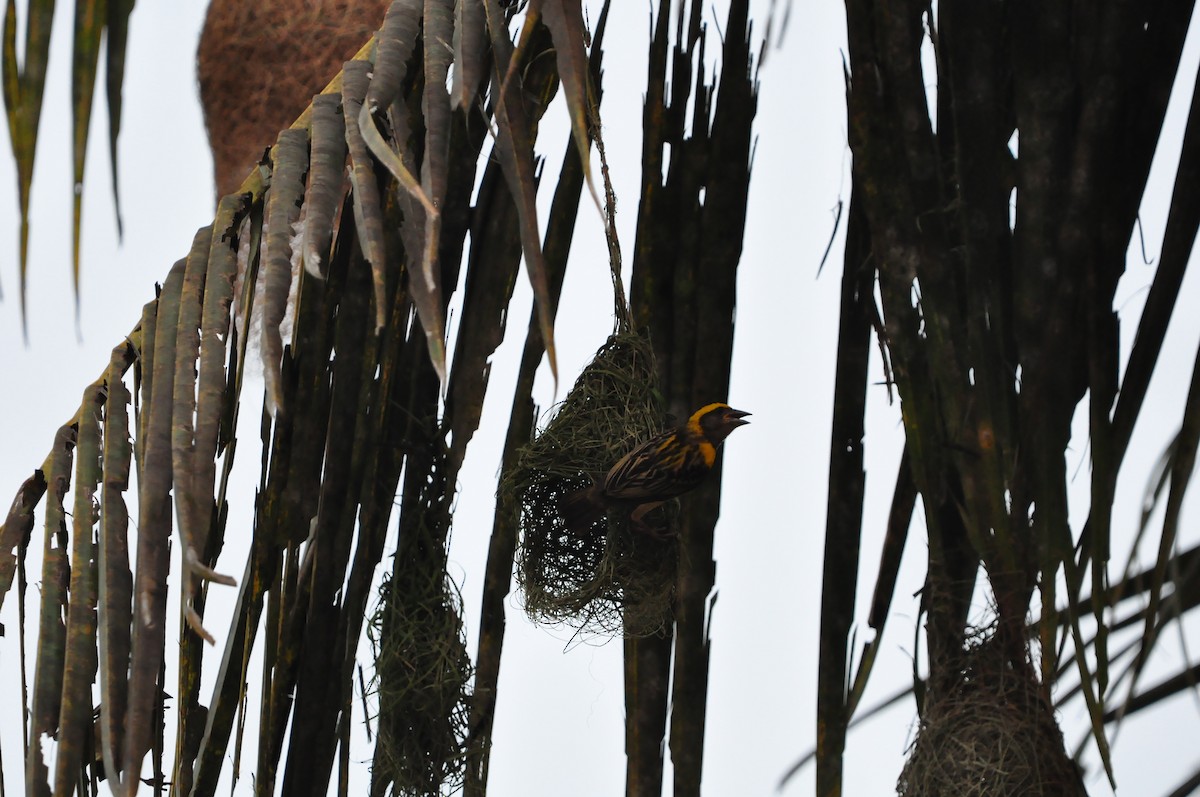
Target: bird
(667, 465)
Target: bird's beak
(737, 418)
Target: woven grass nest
(260, 63)
(989, 734)
(609, 580)
(423, 674)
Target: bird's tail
(582, 508)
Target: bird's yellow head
(716, 421)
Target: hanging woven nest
(259, 64)
(423, 674)
(608, 580)
(989, 733)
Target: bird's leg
(638, 523)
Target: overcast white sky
(559, 724)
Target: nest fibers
(423, 671)
(989, 733)
(260, 63)
(608, 580)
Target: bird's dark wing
(661, 468)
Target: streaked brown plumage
(666, 465)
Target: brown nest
(422, 671)
(608, 580)
(989, 732)
(260, 63)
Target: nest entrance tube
(609, 579)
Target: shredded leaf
(325, 180)
(283, 208)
